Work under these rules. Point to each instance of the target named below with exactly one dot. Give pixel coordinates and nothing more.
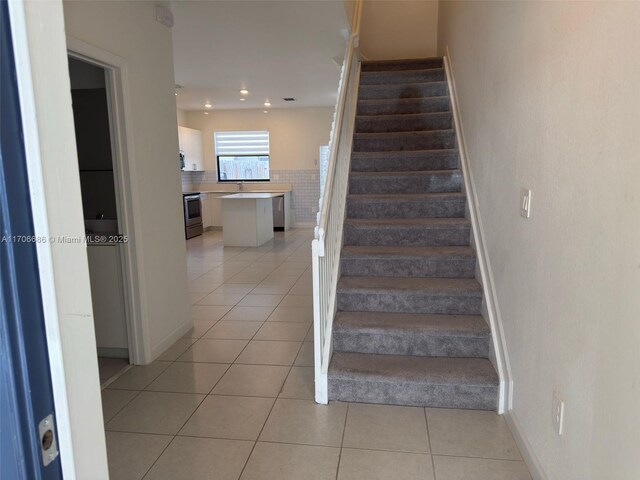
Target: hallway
(234, 397)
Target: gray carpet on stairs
(409, 329)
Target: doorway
(101, 204)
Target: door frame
(127, 201)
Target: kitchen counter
(250, 195)
(233, 188)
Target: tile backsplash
(305, 189)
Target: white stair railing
(327, 243)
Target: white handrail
(327, 243)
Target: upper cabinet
(190, 141)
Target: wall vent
(289, 99)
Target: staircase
(408, 330)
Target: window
(242, 156)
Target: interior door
(27, 416)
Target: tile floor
(233, 399)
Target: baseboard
(478, 237)
(528, 455)
(170, 339)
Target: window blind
(242, 143)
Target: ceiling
(274, 49)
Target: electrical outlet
(557, 406)
(525, 203)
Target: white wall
(549, 100)
(182, 117)
(129, 30)
(392, 29)
(294, 133)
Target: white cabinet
(107, 296)
(190, 141)
(216, 209)
(205, 200)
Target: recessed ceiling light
(207, 105)
(267, 103)
(244, 91)
(176, 94)
(265, 111)
(242, 99)
(206, 113)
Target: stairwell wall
(549, 101)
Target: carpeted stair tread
(394, 141)
(395, 261)
(437, 370)
(404, 160)
(417, 222)
(397, 106)
(406, 205)
(387, 77)
(431, 181)
(403, 90)
(411, 324)
(404, 64)
(433, 286)
(406, 122)
(442, 382)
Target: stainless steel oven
(192, 214)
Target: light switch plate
(557, 406)
(525, 203)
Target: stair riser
(403, 142)
(410, 343)
(402, 76)
(412, 302)
(432, 208)
(371, 92)
(398, 162)
(418, 395)
(422, 105)
(442, 267)
(388, 184)
(401, 123)
(406, 236)
(373, 66)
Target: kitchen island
(247, 219)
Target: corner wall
(549, 98)
(393, 29)
(129, 30)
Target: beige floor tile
(470, 433)
(291, 331)
(235, 288)
(200, 327)
(305, 356)
(301, 289)
(201, 287)
(309, 336)
(252, 380)
(271, 289)
(213, 351)
(209, 312)
(386, 427)
(247, 277)
(292, 314)
(196, 297)
(221, 299)
(273, 461)
(177, 349)
(269, 353)
(299, 384)
(114, 400)
(130, 455)
(248, 314)
(260, 300)
(139, 376)
(189, 377)
(297, 301)
(109, 367)
(155, 412)
(377, 465)
(236, 418)
(463, 468)
(305, 422)
(234, 330)
(189, 458)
